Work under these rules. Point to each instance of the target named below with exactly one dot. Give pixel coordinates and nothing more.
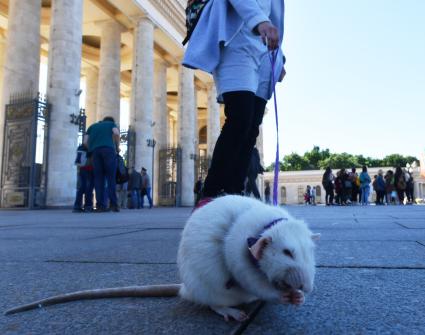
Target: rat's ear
(259, 246)
(316, 236)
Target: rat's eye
(288, 253)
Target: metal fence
(169, 179)
(25, 148)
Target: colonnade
(149, 113)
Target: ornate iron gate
(128, 146)
(25, 148)
(169, 179)
(202, 164)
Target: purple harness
(250, 242)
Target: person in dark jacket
(328, 185)
(134, 186)
(197, 189)
(399, 184)
(254, 169)
(380, 188)
(103, 140)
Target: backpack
(81, 157)
(122, 171)
(193, 13)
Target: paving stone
(351, 301)
(369, 280)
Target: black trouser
(329, 195)
(251, 186)
(232, 153)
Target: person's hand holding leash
(269, 35)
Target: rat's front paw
(295, 297)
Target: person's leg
(134, 199)
(99, 178)
(83, 179)
(78, 204)
(255, 189)
(239, 112)
(148, 194)
(88, 204)
(242, 164)
(400, 196)
(142, 198)
(110, 160)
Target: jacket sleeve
(250, 12)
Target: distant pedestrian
(380, 188)
(399, 184)
(146, 188)
(338, 188)
(365, 185)
(410, 188)
(328, 185)
(85, 181)
(103, 140)
(313, 196)
(134, 186)
(197, 189)
(122, 190)
(346, 187)
(355, 185)
(391, 194)
(307, 195)
(267, 193)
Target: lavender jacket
(220, 21)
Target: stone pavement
(370, 277)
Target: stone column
(186, 133)
(141, 105)
(22, 55)
(92, 79)
(160, 118)
(108, 96)
(63, 83)
(213, 126)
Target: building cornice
(174, 11)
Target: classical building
(122, 50)
(293, 184)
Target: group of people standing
(98, 164)
(351, 188)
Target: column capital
(138, 19)
(111, 24)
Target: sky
(355, 79)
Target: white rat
(233, 250)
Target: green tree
(395, 160)
(315, 156)
(295, 162)
(320, 159)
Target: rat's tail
(171, 290)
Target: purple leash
(273, 56)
